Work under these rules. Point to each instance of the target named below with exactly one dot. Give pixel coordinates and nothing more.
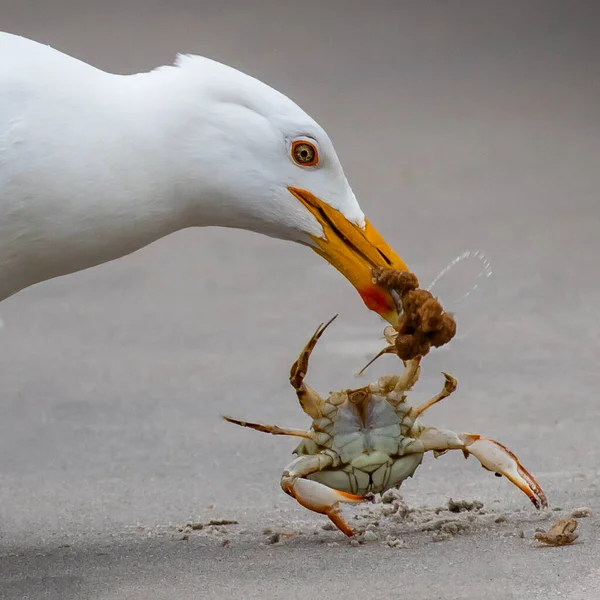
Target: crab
(367, 440)
(560, 534)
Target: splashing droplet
(466, 278)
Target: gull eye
(305, 154)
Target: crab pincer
(321, 499)
(497, 458)
(492, 455)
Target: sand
(461, 126)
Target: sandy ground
(462, 126)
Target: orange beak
(354, 252)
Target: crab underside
(367, 440)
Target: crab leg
(492, 455)
(498, 458)
(311, 494)
(310, 401)
(390, 335)
(386, 350)
(401, 384)
(409, 377)
(314, 495)
(272, 429)
(449, 387)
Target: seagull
(96, 165)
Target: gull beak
(354, 252)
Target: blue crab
(367, 440)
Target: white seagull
(94, 166)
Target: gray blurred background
(462, 125)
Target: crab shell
(366, 435)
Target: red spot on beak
(378, 300)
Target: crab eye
(305, 154)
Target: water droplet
(466, 278)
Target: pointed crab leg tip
(337, 520)
(323, 326)
(451, 383)
(362, 371)
(330, 321)
(386, 350)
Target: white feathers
(94, 166)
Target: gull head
(253, 159)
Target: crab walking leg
(272, 429)
(492, 455)
(390, 334)
(386, 350)
(449, 387)
(310, 401)
(314, 495)
(409, 377)
(402, 383)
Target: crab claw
(321, 499)
(495, 457)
